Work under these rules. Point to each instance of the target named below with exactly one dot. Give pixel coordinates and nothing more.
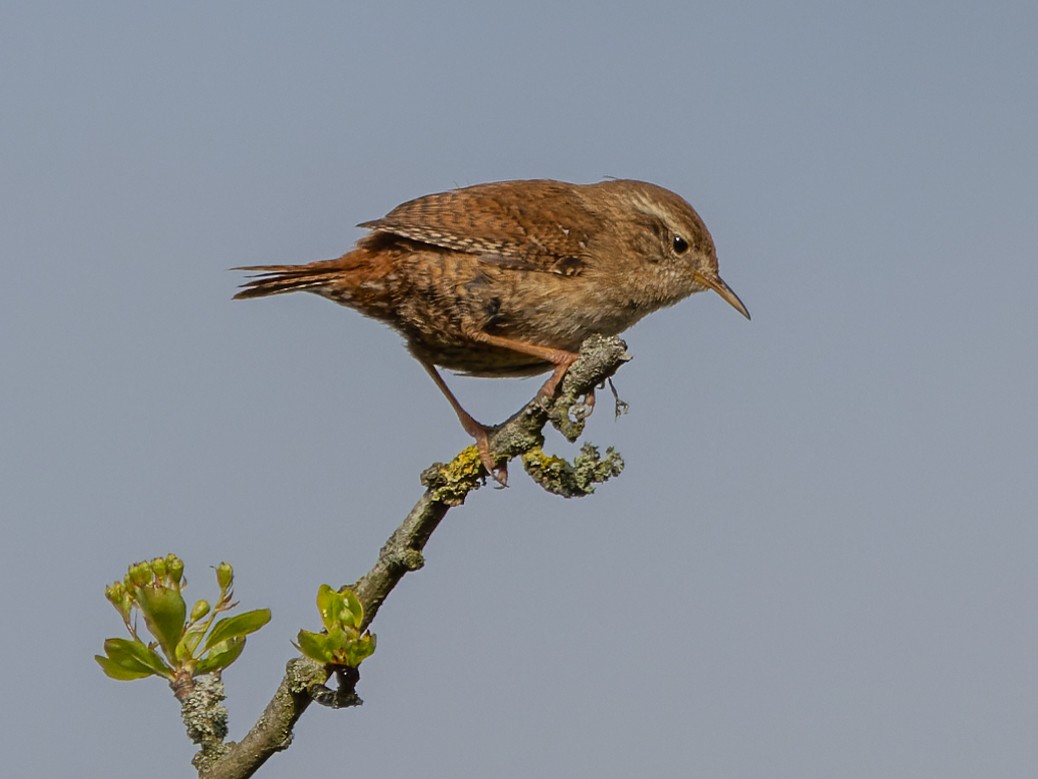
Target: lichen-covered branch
(447, 485)
(273, 730)
(205, 717)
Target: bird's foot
(498, 471)
(582, 409)
(622, 406)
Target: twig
(447, 485)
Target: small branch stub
(575, 480)
(344, 696)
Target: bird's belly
(478, 359)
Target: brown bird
(509, 278)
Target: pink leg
(472, 427)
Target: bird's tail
(275, 279)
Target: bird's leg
(472, 427)
(560, 358)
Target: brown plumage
(509, 278)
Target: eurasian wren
(509, 278)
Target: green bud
(224, 576)
(120, 598)
(140, 574)
(175, 567)
(199, 610)
(115, 593)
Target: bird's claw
(496, 471)
(622, 406)
(582, 410)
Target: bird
(508, 278)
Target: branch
(447, 485)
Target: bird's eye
(680, 244)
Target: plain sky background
(821, 559)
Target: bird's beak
(716, 283)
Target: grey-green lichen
(576, 479)
(205, 717)
(302, 673)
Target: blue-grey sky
(820, 560)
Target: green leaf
(314, 646)
(164, 611)
(355, 607)
(337, 641)
(116, 671)
(361, 649)
(239, 625)
(136, 658)
(189, 641)
(330, 605)
(221, 655)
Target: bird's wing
(535, 225)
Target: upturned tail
(275, 279)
